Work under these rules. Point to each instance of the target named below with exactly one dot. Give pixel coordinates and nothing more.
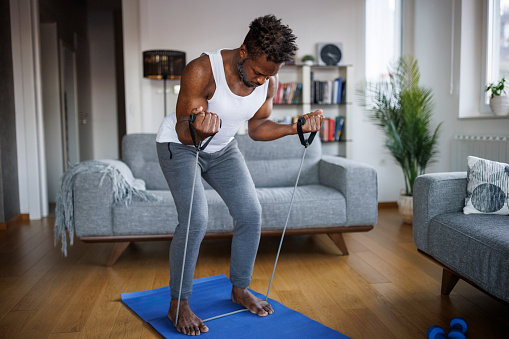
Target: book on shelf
(343, 90)
(340, 120)
(312, 84)
(288, 93)
(337, 90)
(327, 130)
(327, 92)
(332, 129)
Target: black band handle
(305, 142)
(192, 118)
(198, 146)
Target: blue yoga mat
(211, 297)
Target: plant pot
(406, 208)
(309, 62)
(500, 105)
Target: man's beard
(242, 78)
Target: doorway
(79, 90)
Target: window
(383, 36)
(496, 45)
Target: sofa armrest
(93, 203)
(358, 184)
(435, 194)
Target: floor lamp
(163, 64)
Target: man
(224, 89)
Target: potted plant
(499, 102)
(403, 110)
(308, 59)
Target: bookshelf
(300, 86)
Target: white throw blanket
(123, 193)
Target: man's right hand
(206, 123)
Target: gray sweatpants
(227, 173)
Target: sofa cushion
(313, 206)
(488, 187)
(161, 217)
(475, 246)
(308, 210)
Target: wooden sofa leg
(449, 280)
(339, 241)
(116, 252)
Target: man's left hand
(314, 121)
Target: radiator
(487, 147)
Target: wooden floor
(383, 289)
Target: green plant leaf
(497, 88)
(403, 110)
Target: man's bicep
(187, 101)
(193, 90)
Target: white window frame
(491, 48)
(397, 47)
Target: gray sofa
(472, 247)
(335, 195)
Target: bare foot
(188, 322)
(244, 297)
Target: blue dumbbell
(455, 334)
(459, 324)
(458, 330)
(436, 332)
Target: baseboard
(388, 204)
(20, 217)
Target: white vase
(500, 105)
(406, 208)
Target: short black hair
(268, 36)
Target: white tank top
(232, 109)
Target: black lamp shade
(163, 64)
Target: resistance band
(305, 143)
(199, 147)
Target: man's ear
(243, 52)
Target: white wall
(432, 43)
(103, 89)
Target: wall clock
(329, 53)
